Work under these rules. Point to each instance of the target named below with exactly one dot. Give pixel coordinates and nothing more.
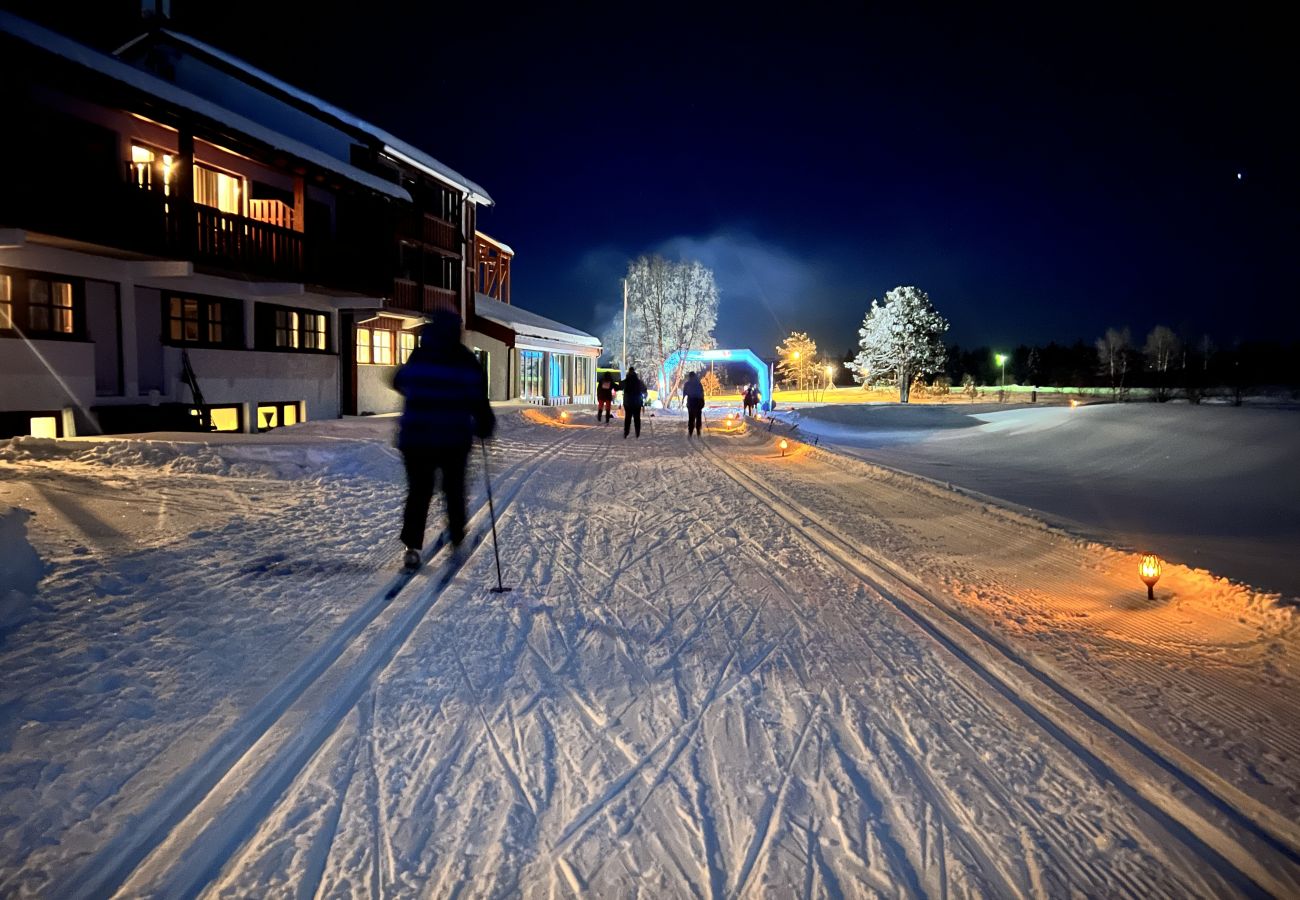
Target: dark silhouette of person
(446, 408)
(633, 400)
(604, 395)
(693, 393)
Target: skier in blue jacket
(693, 392)
(446, 408)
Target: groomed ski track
(700, 687)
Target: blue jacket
(446, 399)
(693, 391)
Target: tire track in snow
(1234, 850)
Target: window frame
(229, 320)
(19, 308)
(288, 329)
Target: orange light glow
(564, 415)
(784, 444)
(1149, 570)
(1074, 403)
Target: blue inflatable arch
(762, 374)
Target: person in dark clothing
(633, 400)
(604, 395)
(749, 400)
(446, 408)
(693, 393)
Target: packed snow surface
(723, 671)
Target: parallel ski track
(1243, 852)
(198, 841)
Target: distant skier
(633, 400)
(446, 408)
(605, 388)
(693, 394)
(749, 400)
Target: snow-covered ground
(1216, 487)
(722, 672)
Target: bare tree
(671, 307)
(1112, 358)
(1162, 349)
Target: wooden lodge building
(186, 241)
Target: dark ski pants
(604, 406)
(694, 418)
(631, 414)
(421, 466)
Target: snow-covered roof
(119, 71)
(530, 324)
(495, 243)
(393, 146)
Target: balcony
(432, 231)
(414, 297)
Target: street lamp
(1002, 387)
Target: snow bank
(21, 568)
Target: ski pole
(487, 481)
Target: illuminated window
(220, 189)
(383, 355)
(151, 169)
(224, 418)
(49, 305)
(6, 301)
(202, 320)
(277, 415)
(286, 328)
(314, 334)
(363, 346)
(530, 375)
(406, 346)
(45, 426)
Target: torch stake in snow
(487, 480)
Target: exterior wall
(375, 392)
(150, 369)
(500, 365)
(28, 370)
(253, 376)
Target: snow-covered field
(1216, 487)
(722, 672)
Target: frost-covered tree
(1162, 351)
(1112, 357)
(901, 338)
(796, 359)
(671, 307)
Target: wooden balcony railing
(441, 234)
(246, 244)
(440, 299)
(406, 295)
(272, 212)
(414, 297)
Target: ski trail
(1193, 826)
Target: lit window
(198, 320)
(6, 301)
(363, 345)
(224, 418)
(268, 417)
(49, 306)
(383, 348)
(407, 346)
(45, 426)
(286, 328)
(313, 331)
(151, 169)
(219, 189)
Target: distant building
(526, 356)
(176, 224)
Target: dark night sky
(1041, 176)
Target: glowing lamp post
(1149, 569)
(1002, 385)
(784, 445)
(564, 416)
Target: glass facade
(531, 384)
